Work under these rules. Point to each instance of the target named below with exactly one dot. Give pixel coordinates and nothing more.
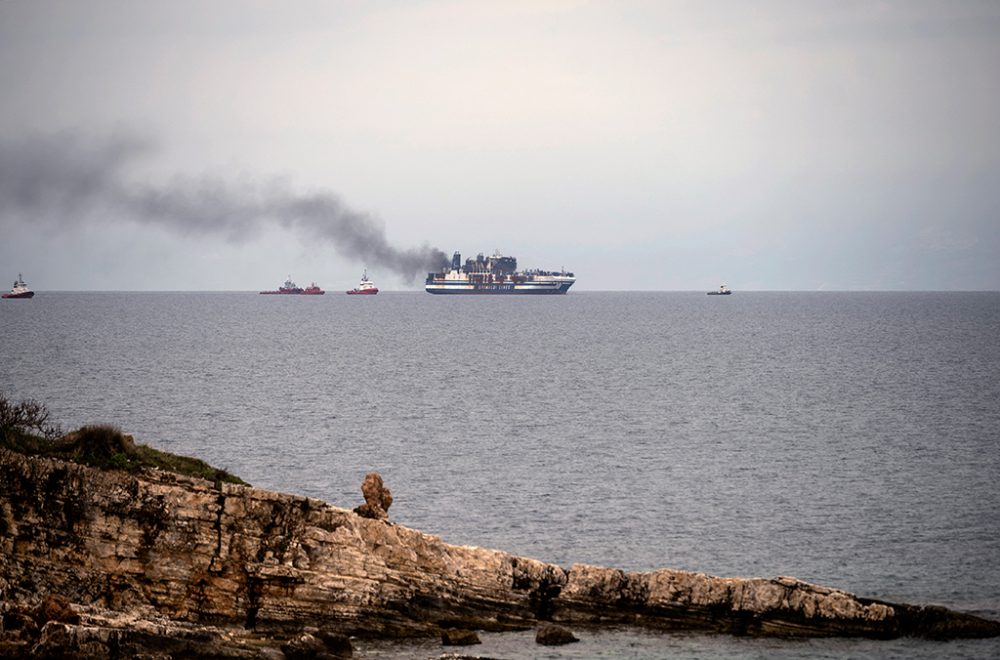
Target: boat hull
(19, 296)
(301, 292)
(499, 289)
(362, 292)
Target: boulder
(55, 608)
(552, 635)
(303, 647)
(336, 644)
(459, 637)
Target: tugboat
(20, 289)
(288, 288)
(365, 288)
(313, 290)
(723, 291)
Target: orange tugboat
(365, 288)
(290, 288)
(20, 289)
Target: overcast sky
(664, 145)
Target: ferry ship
(496, 275)
(20, 289)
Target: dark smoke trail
(65, 179)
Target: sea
(846, 439)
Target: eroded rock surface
(206, 556)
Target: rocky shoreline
(157, 563)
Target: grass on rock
(24, 429)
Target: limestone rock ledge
(211, 554)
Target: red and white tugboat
(365, 288)
(20, 289)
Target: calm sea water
(850, 439)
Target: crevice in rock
(542, 599)
(152, 518)
(221, 503)
(254, 591)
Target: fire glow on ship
(496, 275)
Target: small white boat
(723, 291)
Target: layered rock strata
(216, 554)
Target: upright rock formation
(378, 499)
(195, 552)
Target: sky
(662, 145)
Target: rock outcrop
(207, 556)
(378, 499)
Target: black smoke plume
(67, 179)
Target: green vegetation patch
(24, 428)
